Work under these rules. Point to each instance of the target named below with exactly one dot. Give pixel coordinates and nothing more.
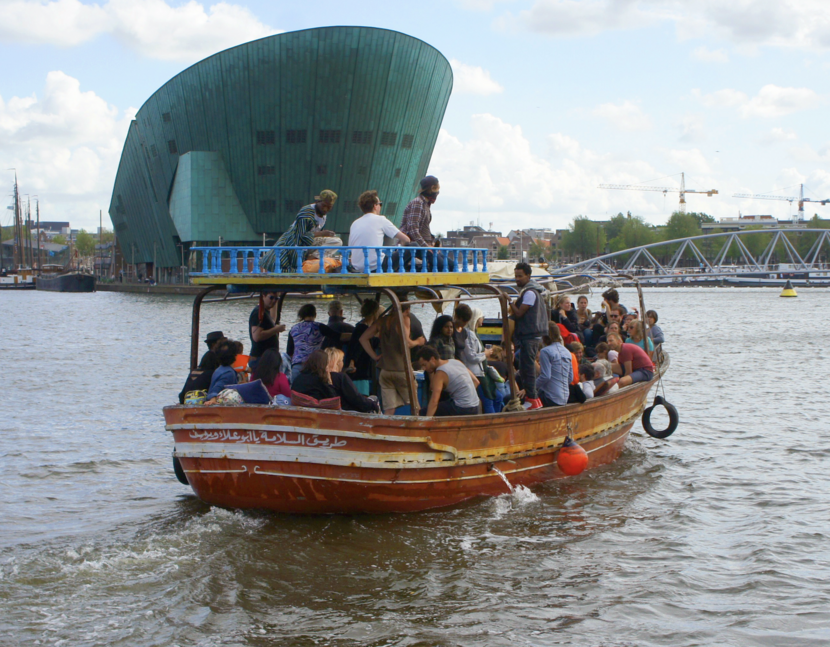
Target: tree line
(84, 242)
(586, 238)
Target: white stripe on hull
(488, 474)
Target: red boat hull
(314, 461)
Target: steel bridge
(712, 264)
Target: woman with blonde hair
(635, 336)
(350, 398)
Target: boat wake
(517, 497)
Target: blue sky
(551, 97)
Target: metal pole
(39, 255)
(507, 342)
(414, 405)
(194, 326)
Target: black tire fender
(674, 419)
(177, 468)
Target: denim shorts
(641, 375)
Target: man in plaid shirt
(417, 217)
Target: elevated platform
(404, 267)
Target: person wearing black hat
(417, 218)
(199, 380)
(209, 360)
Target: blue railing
(388, 260)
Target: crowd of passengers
(369, 230)
(563, 354)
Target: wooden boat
(302, 460)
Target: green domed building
(234, 145)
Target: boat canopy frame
(469, 292)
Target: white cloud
(625, 116)
(154, 28)
(65, 147)
(496, 171)
(776, 135)
(711, 56)
(774, 101)
(799, 23)
(771, 101)
(727, 98)
(692, 129)
(470, 79)
(694, 163)
(479, 5)
(579, 17)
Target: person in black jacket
(337, 322)
(313, 379)
(358, 364)
(350, 398)
(209, 361)
(563, 313)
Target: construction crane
(682, 190)
(799, 217)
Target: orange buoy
(572, 459)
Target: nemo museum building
(235, 145)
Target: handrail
(248, 260)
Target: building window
(265, 137)
(266, 170)
(295, 136)
(361, 137)
(293, 206)
(322, 169)
(407, 141)
(397, 172)
(153, 150)
(392, 207)
(388, 139)
(329, 136)
(267, 206)
(166, 118)
(119, 205)
(171, 146)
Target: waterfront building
(232, 147)
(742, 222)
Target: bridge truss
(646, 256)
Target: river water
(716, 536)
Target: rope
(514, 405)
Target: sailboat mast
(28, 230)
(39, 257)
(17, 237)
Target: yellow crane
(799, 217)
(682, 190)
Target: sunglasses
(614, 316)
(380, 204)
(273, 297)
